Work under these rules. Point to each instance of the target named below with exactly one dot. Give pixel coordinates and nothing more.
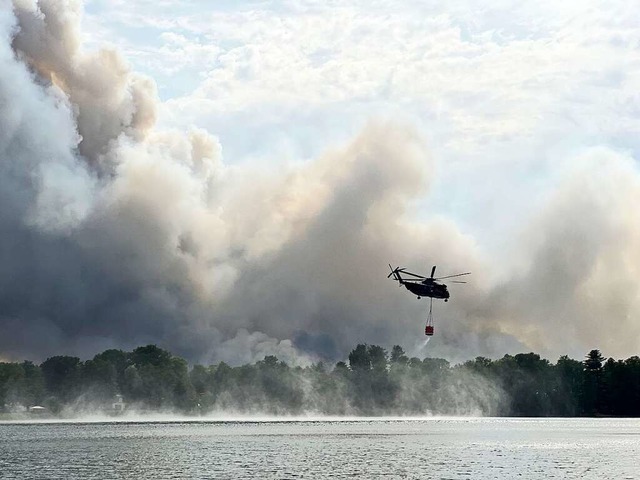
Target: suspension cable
(430, 317)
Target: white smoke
(116, 233)
(579, 283)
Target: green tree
(570, 376)
(33, 390)
(99, 381)
(11, 376)
(592, 392)
(62, 377)
(200, 377)
(398, 356)
(150, 355)
(359, 359)
(119, 360)
(631, 387)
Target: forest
(372, 382)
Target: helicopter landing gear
(419, 298)
(446, 299)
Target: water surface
(372, 448)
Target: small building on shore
(118, 405)
(37, 410)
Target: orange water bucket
(428, 330)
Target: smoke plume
(114, 233)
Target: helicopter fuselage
(423, 286)
(427, 289)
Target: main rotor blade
(412, 274)
(451, 276)
(433, 271)
(392, 272)
(456, 281)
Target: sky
(231, 179)
(504, 92)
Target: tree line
(372, 382)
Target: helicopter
(422, 286)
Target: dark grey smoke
(116, 234)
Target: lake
(439, 448)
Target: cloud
(504, 93)
(488, 78)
